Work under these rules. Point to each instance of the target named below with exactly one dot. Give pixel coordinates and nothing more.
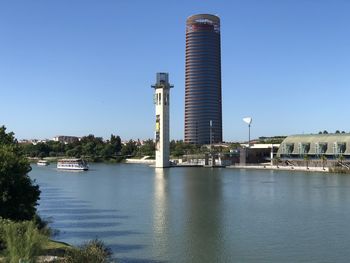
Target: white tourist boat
(72, 164)
(42, 163)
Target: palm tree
(277, 161)
(324, 160)
(307, 158)
(341, 159)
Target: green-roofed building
(314, 146)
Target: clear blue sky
(80, 67)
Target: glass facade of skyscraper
(203, 109)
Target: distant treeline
(90, 147)
(96, 149)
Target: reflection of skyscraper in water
(204, 214)
(160, 213)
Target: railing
(345, 165)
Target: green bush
(94, 251)
(22, 240)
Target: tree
(325, 132)
(324, 160)
(337, 131)
(277, 161)
(18, 193)
(107, 151)
(307, 158)
(176, 148)
(129, 148)
(30, 149)
(116, 142)
(147, 149)
(88, 149)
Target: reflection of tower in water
(160, 213)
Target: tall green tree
(129, 148)
(18, 193)
(147, 149)
(116, 142)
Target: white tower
(161, 100)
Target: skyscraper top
(203, 20)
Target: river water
(200, 214)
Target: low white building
(66, 139)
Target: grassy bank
(56, 248)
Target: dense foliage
(94, 251)
(18, 193)
(21, 241)
(95, 149)
(180, 148)
(90, 147)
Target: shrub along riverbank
(25, 242)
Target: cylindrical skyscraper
(203, 113)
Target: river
(200, 214)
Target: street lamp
(248, 120)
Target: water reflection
(160, 212)
(203, 214)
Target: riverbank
(281, 168)
(54, 251)
(143, 160)
(55, 159)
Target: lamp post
(211, 132)
(211, 140)
(248, 120)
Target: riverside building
(335, 148)
(203, 110)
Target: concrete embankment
(281, 168)
(254, 167)
(143, 160)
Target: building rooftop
(316, 144)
